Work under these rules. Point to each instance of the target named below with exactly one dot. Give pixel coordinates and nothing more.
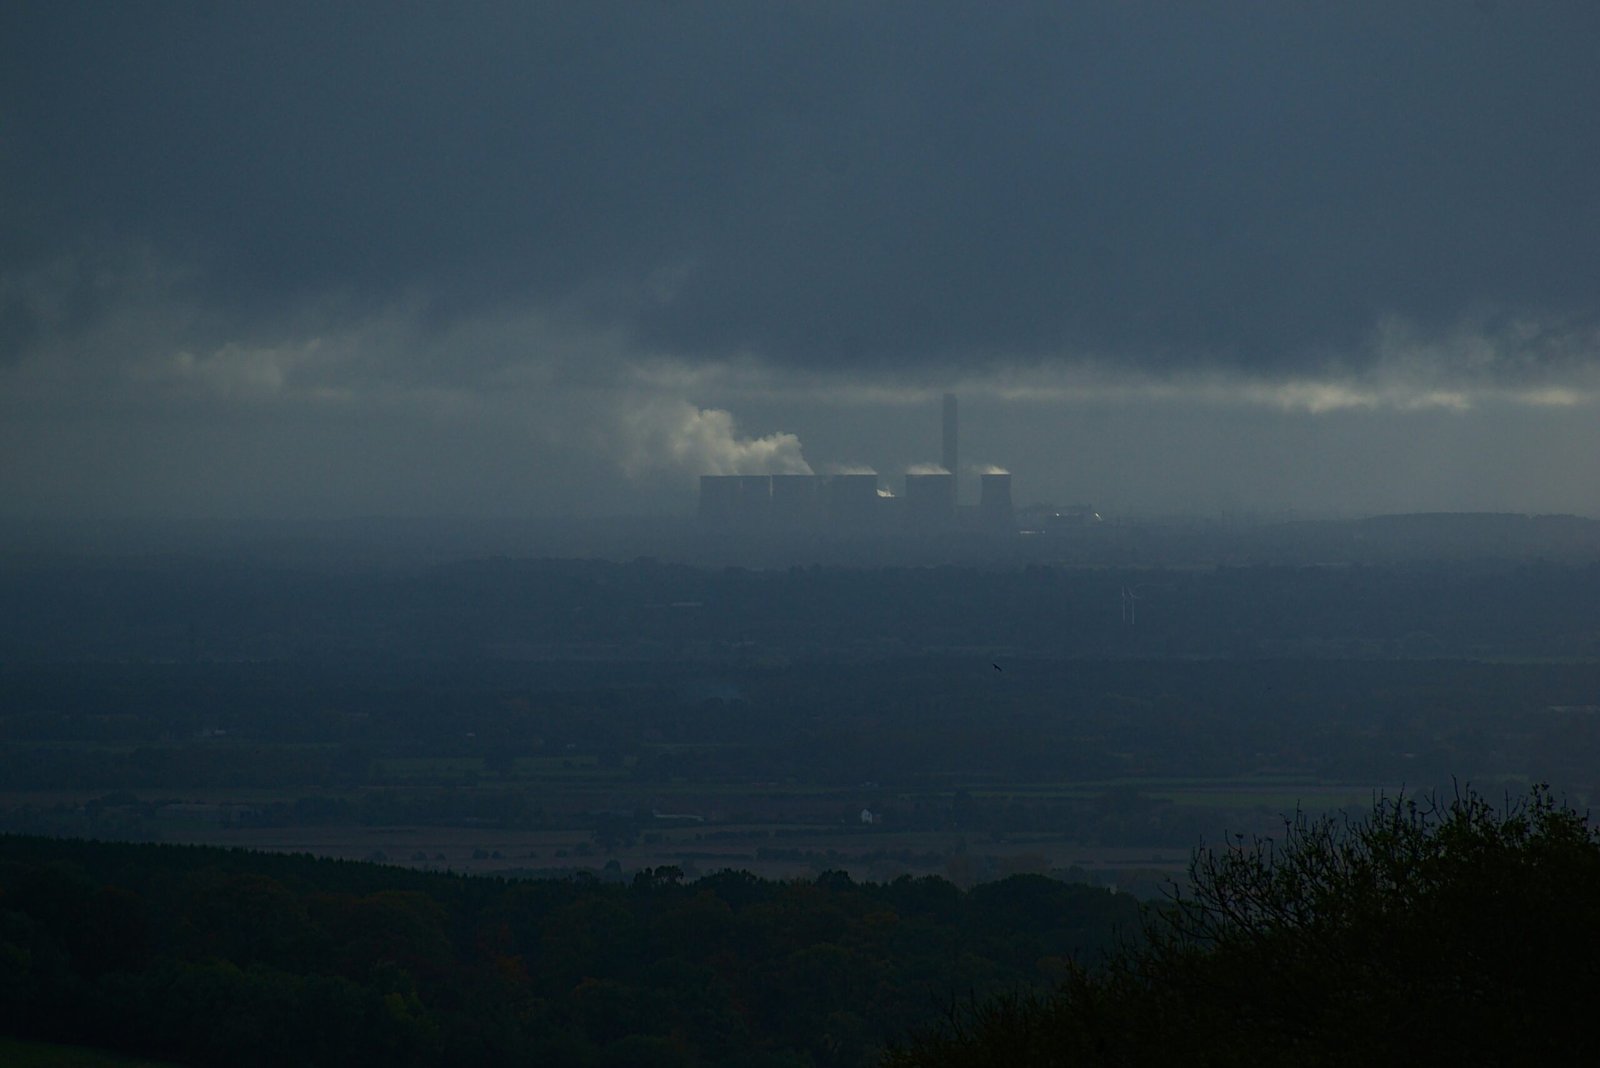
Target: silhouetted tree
(1436, 931)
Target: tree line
(1447, 931)
(207, 956)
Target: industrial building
(740, 502)
(930, 501)
(798, 501)
(857, 504)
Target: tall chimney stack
(950, 456)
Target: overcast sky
(318, 260)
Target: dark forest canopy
(208, 956)
(1436, 932)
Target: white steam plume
(676, 435)
(926, 469)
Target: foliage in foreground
(1437, 932)
(205, 956)
(18, 1054)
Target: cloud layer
(600, 232)
(1253, 185)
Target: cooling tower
(930, 502)
(994, 503)
(735, 500)
(797, 501)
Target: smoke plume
(679, 436)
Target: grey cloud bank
(318, 259)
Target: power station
(855, 503)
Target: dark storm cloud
(1254, 186)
